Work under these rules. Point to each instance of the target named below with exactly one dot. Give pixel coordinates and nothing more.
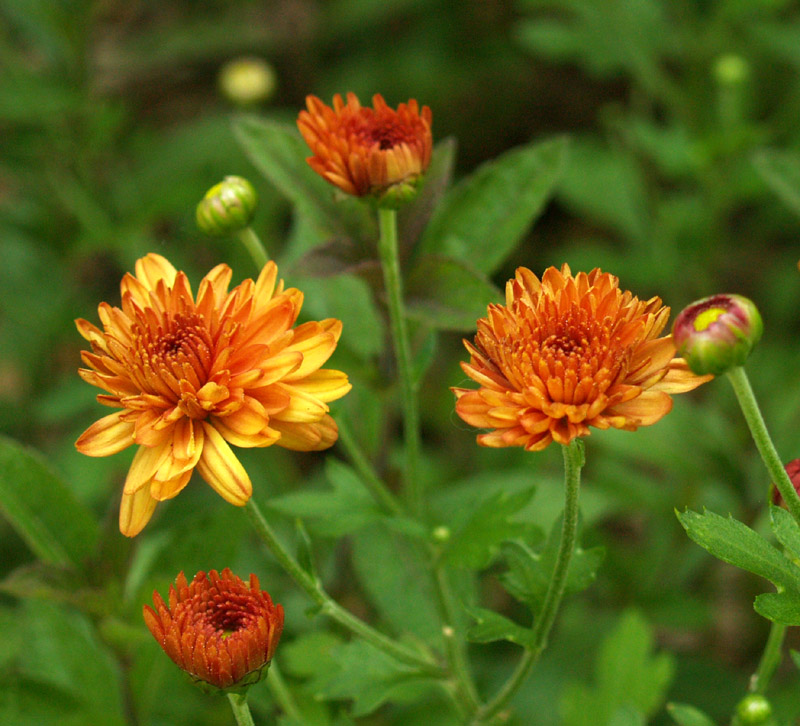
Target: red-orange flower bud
(220, 630)
(369, 151)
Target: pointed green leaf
(686, 715)
(448, 294)
(780, 607)
(483, 218)
(491, 626)
(42, 509)
(737, 544)
(279, 152)
(477, 536)
(786, 529)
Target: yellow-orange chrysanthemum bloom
(219, 629)
(566, 353)
(192, 377)
(367, 150)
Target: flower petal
(219, 466)
(106, 436)
(145, 463)
(135, 511)
(325, 385)
(315, 436)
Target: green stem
(758, 429)
(770, 659)
(390, 262)
(364, 469)
(282, 694)
(254, 246)
(330, 607)
(573, 462)
(241, 710)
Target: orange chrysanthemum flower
(362, 151)
(193, 376)
(219, 629)
(566, 353)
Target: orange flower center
(224, 614)
(385, 133)
(576, 349)
(173, 359)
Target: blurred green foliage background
(683, 178)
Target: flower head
(717, 333)
(227, 207)
(192, 376)
(219, 629)
(566, 353)
(376, 151)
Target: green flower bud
(717, 333)
(754, 710)
(731, 70)
(247, 81)
(227, 207)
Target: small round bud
(247, 81)
(731, 70)
(227, 207)
(441, 533)
(717, 333)
(793, 470)
(754, 710)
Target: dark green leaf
(490, 626)
(391, 573)
(371, 678)
(737, 544)
(786, 529)
(483, 218)
(40, 507)
(628, 677)
(448, 294)
(342, 510)
(795, 657)
(685, 715)
(780, 607)
(280, 154)
(305, 550)
(477, 535)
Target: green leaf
(795, 657)
(629, 678)
(529, 571)
(483, 218)
(781, 171)
(448, 294)
(391, 574)
(342, 510)
(786, 529)
(477, 536)
(490, 626)
(371, 678)
(686, 715)
(42, 509)
(737, 544)
(780, 607)
(279, 152)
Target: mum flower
(566, 353)
(192, 377)
(377, 151)
(219, 629)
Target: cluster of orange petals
(367, 150)
(566, 353)
(217, 628)
(193, 376)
